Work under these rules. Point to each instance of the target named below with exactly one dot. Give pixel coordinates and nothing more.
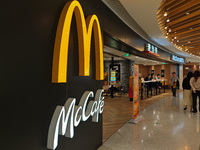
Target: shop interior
(123, 65)
(118, 110)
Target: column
(180, 76)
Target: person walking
(174, 81)
(195, 85)
(187, 92)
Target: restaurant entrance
(118, 109)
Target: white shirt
(195, 85)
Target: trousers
(194, 98)
(173, 91)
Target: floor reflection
(165, 126)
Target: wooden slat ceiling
(183, 28)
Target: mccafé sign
(178, 59)
(66, 117)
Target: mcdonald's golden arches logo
(84, 29)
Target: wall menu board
(162, 73)
(152, 71)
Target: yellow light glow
(84, 29)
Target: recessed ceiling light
(175, 37)
(187, 13)
(168, 20)
(165, 14)
(189, 42)
(170, 30)
(177, 40)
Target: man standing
(174, 80)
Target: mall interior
(99, 74)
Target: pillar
(180, 76)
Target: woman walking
(195, 85)
(187, 94)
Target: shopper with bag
(187, 92)
(174, 81)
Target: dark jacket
(147, 79)
(186, 84)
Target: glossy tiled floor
(165, 126)
(118, 111)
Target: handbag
(174, 85)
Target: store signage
(151, 49)
(178, 59)
(66, 117)
(84, 29)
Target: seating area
(149, 88)
(117, 90)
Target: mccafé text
(66, 117)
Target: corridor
(165, 126)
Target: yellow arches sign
(84, 29)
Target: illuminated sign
(113, 76)
(126, 55)
(178, 59)
(84, 29)
(151, 49)
(66, 117)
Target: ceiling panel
(181, 25)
